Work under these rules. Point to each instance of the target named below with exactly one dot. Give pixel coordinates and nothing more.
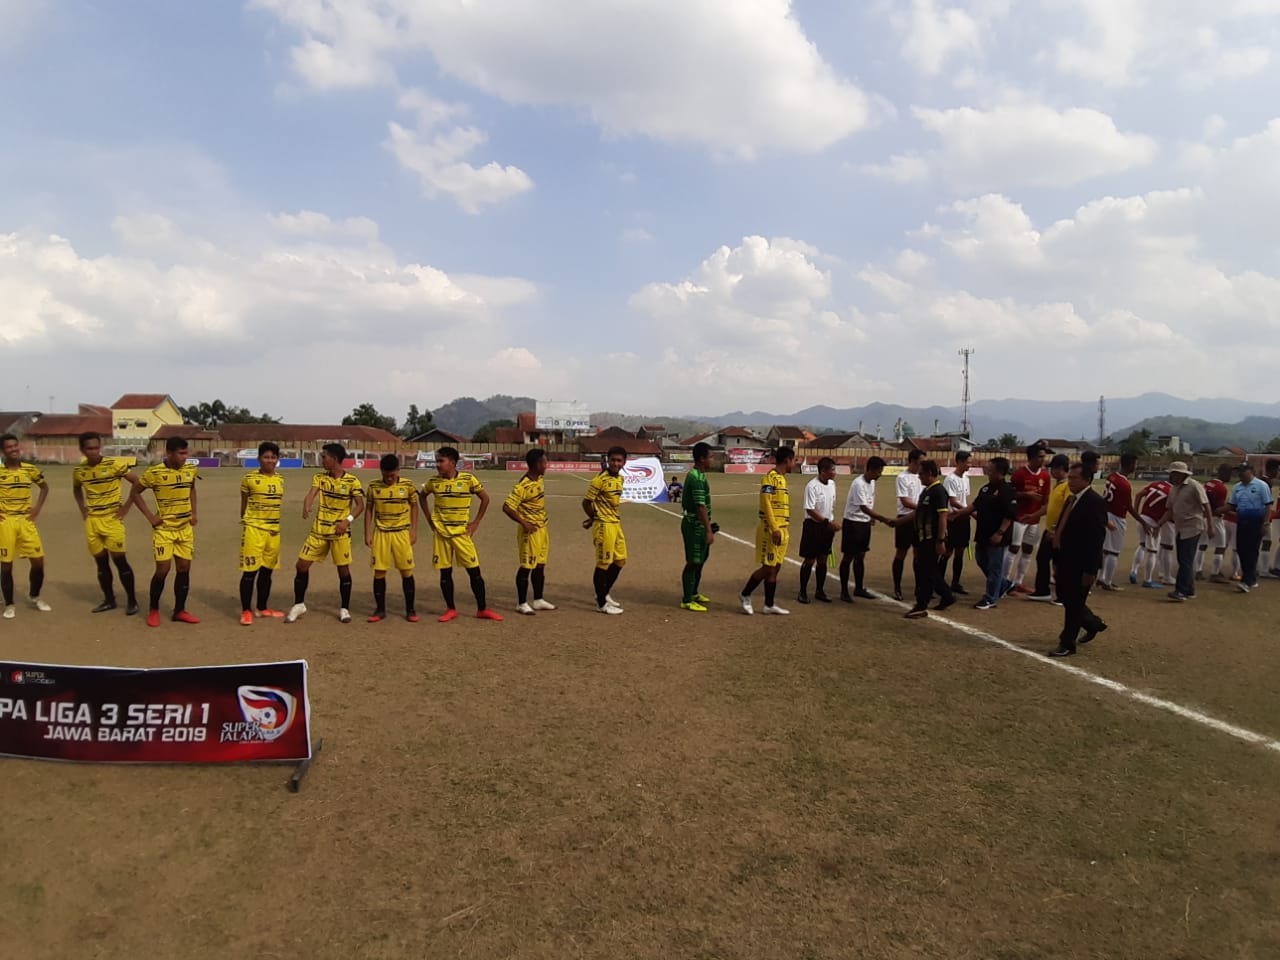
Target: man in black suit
(1077, 544)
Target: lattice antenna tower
(1102, 420)
(965, 426)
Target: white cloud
(438, 160)
(438, 156)
(636, 235)
(754, 323)
(109, 316)
(309, 223)
(1123, 42)
(900, 168)
(931, 35)
(1028, 144)
(734, 75)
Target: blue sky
(668, 207)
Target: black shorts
(855, 537)
(815, 539)
(904, 535)
(959, 533)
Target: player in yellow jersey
(95, 484)
(390, 537)
(451, 523)
(341, 501)
(261, 497)
(173, 535)
(527, 506)
(773, 532)
(604, 495)
(19, 538)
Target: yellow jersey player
(261, 497)
(390, 537)
(527, 506)
(173, 483)
(772, 532)
(19, 538)
(341, 501)
(601, 505)
(95, 484)
(453, 529)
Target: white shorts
(1168, 536)
(1024, 535)
(1115, 538)
(1273, 531)
(1217, 536)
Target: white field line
(1115, 686)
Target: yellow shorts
(392, 550)
(19, 540)
(610, 544)
(180, 543)
(459, 549)
(259, 549)
(533, 547)
(316, 548)
(104, 532)
(769, 554)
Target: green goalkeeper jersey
(697, 493)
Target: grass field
(837, 783)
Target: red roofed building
(56, 436)
(617, 437)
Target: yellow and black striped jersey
(605, 492)
(15, 488)
(336, 494)
(392, 504)
(451, 499)
(101, 485)
(528, 500)
(172, 489)
(773, 489)
(266, 496)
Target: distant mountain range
(1204, 423)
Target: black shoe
(1090, 634)
(916, 613)
(104, 606)
(897, 595)
(1062, 652)
(865, 595)
(943, 604)
(956, 588)
(822, 598)
(846, 598)
(131, 609)
(802, 598)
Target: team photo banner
(224, 714)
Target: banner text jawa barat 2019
(235, 713)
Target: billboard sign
(562, 415)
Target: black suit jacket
(1083, 533)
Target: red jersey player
(1032, 484)
(1152, 505)
(1216, 490)
(1118, 494)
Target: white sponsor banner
(562, 415)
(642, 480)
(746, 454)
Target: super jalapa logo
(268, 714)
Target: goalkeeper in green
(696, 528)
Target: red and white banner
(561, 466)
(225, 714)
(746, 455)
(761, 468)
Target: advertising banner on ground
(203, 462)
(589, 467)
(760, 468)
(642, 480)
(746, 454)
(224, 714)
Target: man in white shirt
(959, 524)
(855, 539)
(819, 530)
(907, 490)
